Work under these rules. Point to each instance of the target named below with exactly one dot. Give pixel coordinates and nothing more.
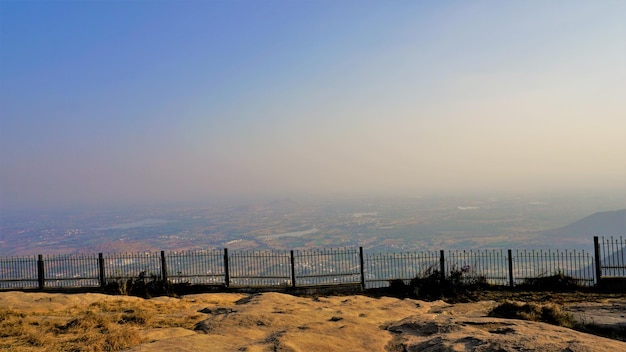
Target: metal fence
(298, 268)
(71, 271)
(380, 268)
(327, 266)
(201, 267)
(19, 273)
(258, 268)
(611, 257)
(124, 266)
(575, 264)
(491, 265)
(496, 267)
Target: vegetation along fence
(301, 268)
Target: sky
(105, 102)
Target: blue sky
(149, 101)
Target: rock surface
(280, 322)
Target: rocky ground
(281, 322)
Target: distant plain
(375, 223)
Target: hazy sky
(135, 101)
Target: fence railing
(611, 256)
(300, 268)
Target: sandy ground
(280, 322)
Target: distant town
(375, 223)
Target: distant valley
(377, 224)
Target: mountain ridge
(602, 223)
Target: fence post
(362, 268)
(40, 272)
(293, 270)
(596, 249)
(163, 267)
(511, 279)
(226, 272)
(101, 270)
(442, 265)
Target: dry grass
(107, 325)
(547, 313)
(96, 333)
(552, 313)
(19, 332)
(545, 297)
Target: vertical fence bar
(163, 267)
(362, 270)
(41, 278)
(623, 259)
(226, 271)
(442, 265)
(293, 269)
(510, 259)
(608, 256)
(596, 250)
(101, 270)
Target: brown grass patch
(547, 313)
(106, 325)
(19, 332)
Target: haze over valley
(173, 125)
(377, 224)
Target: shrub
(550, 313)
(558, 282)
(458, 285)
(140, 286)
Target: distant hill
(604, 223)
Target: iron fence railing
(199, 267)
(19, 273)
(380, 268)
(492, 265)
(531, 264)
(327, 266)
(124, 266)
(259, 268)
(613, 259)
(298, 268)
(71, 270)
